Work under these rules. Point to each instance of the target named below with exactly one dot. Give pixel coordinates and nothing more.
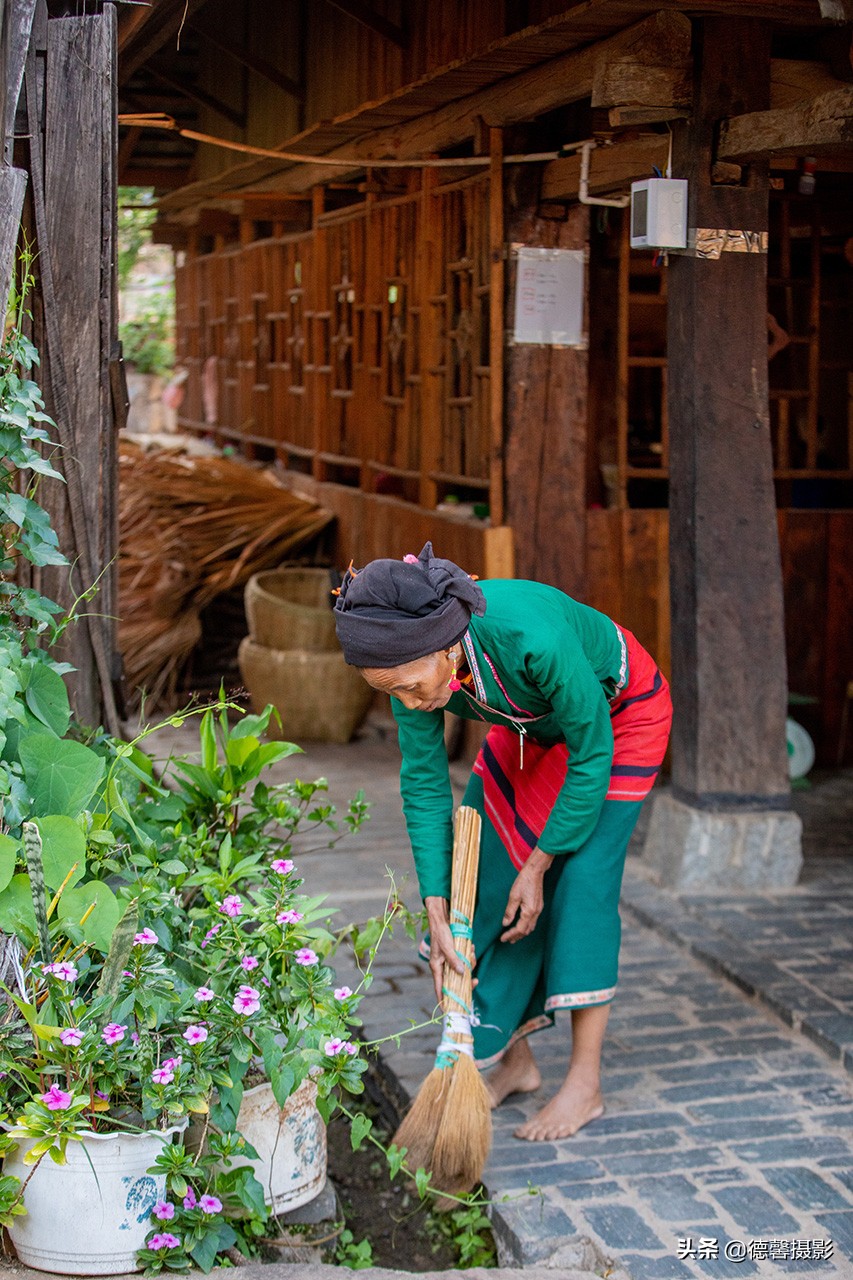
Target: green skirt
(570, 960)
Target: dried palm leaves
(191, 528)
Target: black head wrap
(395, 611)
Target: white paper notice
(549, 297)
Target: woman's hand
(442, 947)
(526, 897)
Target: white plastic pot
(89, 1216)
(290, 1142)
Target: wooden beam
(563, 80)
(161, 177)
(126, 149)
(251, 60)
(646, 73)
(610, 167)
(195, 94)
(363, 13)
(162, 21)
(822, 124)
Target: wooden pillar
(73, 152)
(729, 685)
(546, 397)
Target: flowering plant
(212, 973)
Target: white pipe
(583, 187)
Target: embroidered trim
(535, 1024)
(623, 665)
(499, 683)
(468, 646)
(577, 1000)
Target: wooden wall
(346, 63)
(627, 576)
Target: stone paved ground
(724, 1122)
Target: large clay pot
(89, 1216)
(290, 1142)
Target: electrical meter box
(659, 213)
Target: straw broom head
(449, 1127)
(464, 1135)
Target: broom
(448, 1130)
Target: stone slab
(691, 848)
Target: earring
(453, 684)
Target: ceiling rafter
(253, 61)
(196, 94)
(363, 14)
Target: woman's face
(421, 685)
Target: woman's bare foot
(576, 1104)
(516, 1072)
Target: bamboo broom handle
(458, 987)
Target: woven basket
(291, 609)
(318, 697)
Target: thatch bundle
(190, 529)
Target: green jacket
(559, 661)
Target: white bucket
(89, 1219)
(290, 1142)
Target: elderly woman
(580, 718)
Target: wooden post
(546, 421)
(728, 819)
(73, 181)
(496, 325)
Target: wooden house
(349, 186)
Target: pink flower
(232, 905)
(56, 1099)
(64, 970)
(265, 980)
(350, 1048)
(288, 917)
(163, 1210)
(203, 994)
(246, 1001)
(164, 1240)
(113, 1032)
(147, 938)
(211, 933)
(410, 559)
(195, 1034)
(134, 1037)
(71, 1036)
(305, 956)
(333, 1047)
(105, 1097)
(249, 962)
(172, 1064)
(190, 1200)
(162, 1075)
(283, 866)
(210, 1204)
(343, 993)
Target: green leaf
(121, 945)
(47, 698)
(100, 926)
(61, 776)
(422, 1181)
(35, 870)
(361, 1127)
(9, 850)
(395, 1156)
(204, 1253)
(63, 844)
(207, 736)
(16, 906)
